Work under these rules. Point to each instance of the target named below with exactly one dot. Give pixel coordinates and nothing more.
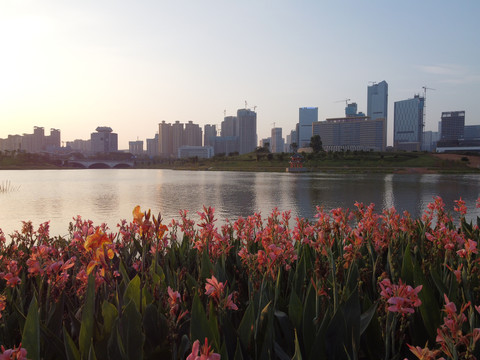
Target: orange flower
(138, 215)
(96, 243)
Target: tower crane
(346, 101)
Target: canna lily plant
(349, 284)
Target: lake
(109, 195)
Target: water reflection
(110, 195)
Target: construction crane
(425, 88)
(346, 101)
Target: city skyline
(129, 66)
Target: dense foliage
(352, 284)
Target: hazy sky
(75, 65)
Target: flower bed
(350, 285)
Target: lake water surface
(109, 195)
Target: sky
(76, 65)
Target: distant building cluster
(32, 143)
(238, 134)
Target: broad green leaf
(199, 326)
(238, 352)
(132, 292)
(206, 266)
(295, 310)
(430, 309)
(109, 313)
(246, 327)
(407, 266)
(70, 348)
(132, 332)
(31, 331)
(366, 318)
(88, 313)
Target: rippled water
(109, 195)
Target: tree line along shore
(347, 161)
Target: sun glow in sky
(76, 65)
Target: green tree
(316, 143)
(294, 147)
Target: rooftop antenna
(425, 88)
(255, 107)
(245, 104)
(225, 113)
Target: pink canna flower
(401, 298)
(15, 353)
(213, 288)
(460, 207)
(205, 352)
(174, 300)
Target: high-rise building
(104, 140)
(177, 137)
(229, 126)
(152, 146)
(209, 134)
(377, 100)
(135, 147)
(192, 134)
(165, 145)
(408, 124)
(306, 117)
(277, 143)
(453, 125)
(352, 133)
(246, 130)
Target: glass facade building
(377, 100)
(307, 116)
(408, 124)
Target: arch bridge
(99, 164)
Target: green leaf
(70, 348)
(238, 352)
(31, 331)
(88, 313)
(298, 353)
(132, 292)
(109, 313)
(207, 267)
(430, 309)
(246, 327)
(150, 324)
(366, 318)
(132, 334)
(199, 326)
(309, 314)
(407, 266)
(295, 310)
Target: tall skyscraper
(453, 124)
(377, 100)
(408, 124)
(306, 117)
(276, 145)
(246, 130)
